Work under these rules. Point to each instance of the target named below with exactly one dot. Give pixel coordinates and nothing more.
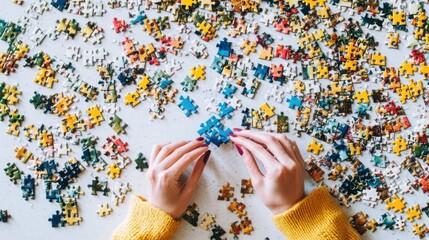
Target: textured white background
(30, 218)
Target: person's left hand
(167, 163)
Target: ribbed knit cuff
(144, 221)
(316, 216)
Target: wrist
(168, 211)
(276, 210)
(280, 209)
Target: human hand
(282, 184)
(167, 191)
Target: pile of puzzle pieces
(335, 86)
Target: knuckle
(288, 143)
(150, 175)
(187, 156)
(280, 172)
(282, 138)
(166, 149)
(178, 152)
(293, 167)
(164, 177)
(259, 147)
(272, 139)
(283, 171)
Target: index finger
(256, 150)
(184, 161)
(155, 151)
(273, 144)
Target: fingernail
(204, 145)
(239, 150)
(199, 139)
(207, 156)
(237, 129)
(232, 135)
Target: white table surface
(30, 218)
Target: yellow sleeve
(316, 216)
(144, 221)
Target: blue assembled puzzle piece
(57, 220)
(348, 187)
(208, 125)
(225, 110)
(139, 18)
(60, 4)
(387, 221)
(294, 101)
(344, 129)
(364, 174)
(213, 138)
(126, 78)
(261, 71)
(189, 84)
(224, 134)
(342, 150)
(187, 106)
(4, 216)
(224, 48)
(53, 194)
(228, 90)
(28, 187)
(246, 121)
(375, 182)
(165, 82)
(49, 166)
(74, 169)
(214, 132)
(334, 157)
(218, 136)
(218, 64)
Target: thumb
(192, 182)
(250, 162)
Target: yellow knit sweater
(315, 217)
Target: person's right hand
(282, 184)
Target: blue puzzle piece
(214, 132)
(261, 71)
(225, 110)
(218, 64)
(187, 105)
(53, 194)
(294, 102)
(189, 84)
(57, 220)
(210, 123)
(228, 90)
(344, 129)
(224, 48)
(213, 138)
(139, 18)
(246, 121)
(28, 187)
(218, 136)
(375, 182)
(165, 83)
(49, 166)
(387, 220)
(60, 4)
(224, 134)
